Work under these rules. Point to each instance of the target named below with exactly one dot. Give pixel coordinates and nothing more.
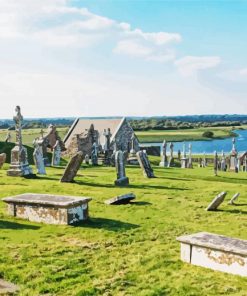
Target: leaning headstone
(122, 180)
(145, 164)
(2, 159)
(38, 158)
(234, 198)
(164, 161)
(122, 199)
(7, 288)
(19, 160)
(56, 155)
(72, 167)
(217, 201)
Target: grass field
(155, 136)
(122, 250)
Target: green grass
(158, 136)
(122, 250)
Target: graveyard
(125, 249)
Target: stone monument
(190, 164)
(56, 154)
(94, 154)
(164, 161)
(38, 157)
(215, 163)
(145, 164)
(122, 180)
(132, 159)
(184, 159)
(19, 160)
(223, 162)
(72, 167)
(107, 151)
(171, 158)
(2, 159)
(233, 157)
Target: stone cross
(163, 162)
(18, 118)
(120, 169)
(107, 134)
(145, 164)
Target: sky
(69, 58)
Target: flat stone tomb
(47, 208)
(216, 202)
(121, 199)
(216, 252)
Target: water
(209, 147)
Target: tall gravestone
(171, 158)
(94, 154)
(223, 162)
(145, 164)
(122, 180)
(164, 161)
(107, 151)
(72, 167)
(190, 164)
(215, 163)
(184, 159)
(132, 159)
(56, 154)
(233, 157)
(19, 160)
(38, 157)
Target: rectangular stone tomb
(216, 252)
(47, 208)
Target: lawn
(158, 136)
(122, 250)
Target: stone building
(84, 132)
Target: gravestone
(216, 202)
(8, 138)
(215, 163)
(48, 208)
(145, 164)
(122, 180)
(56, 154)
(171, 158)
(94, 154)
(107, 151)
(19, 160)
(184, 159)
(86, 159)
(2, 159)
(233, 157)
(72, 167)
(223, 162)
(122, 199)
(179, 154)
(132, 159)
(234, 198)
(190, 164)
(164, 161)
(38, 158)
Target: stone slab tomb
(234, 198)
(216, 252)
(122, 199)
(216, 202)
(7, 288)
(72, 167)
(145, 164)
(47, 208)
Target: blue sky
(106, 58)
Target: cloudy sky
(120, 57)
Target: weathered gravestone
(56, 154)
(145, 164)
(7, 288)
(122, 180)
(72, 167)
(234, 198)
(86, 160)
(217, 201)
(94, 154)
(184, 159)
(38, 158)
(215, 163)
(132, 159)
(233, 157)
(164, 161)
(19, 160)
(2, 159)
(171, 157)
(48, 208)
(122, 199)
(214, 251)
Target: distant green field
(158, 136)
(28, 135)
(122, 250)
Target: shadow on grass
(108, 224)
(240, 204)
(233, 211)
(140, 203)
(129, 186)
(16, 226)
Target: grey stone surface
(7, 288)
(56, 154)
(2, 159)
(122, 199)
(234, 198)
(38, 158)
(94, 154)
(216, 242)
(145, 164)
(122, 180)
(164, 161)
(217, 201)
(19, 160)
(72, 167)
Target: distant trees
(208, 134)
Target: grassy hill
(122, 250)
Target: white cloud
(132, 48)
(243, 72)
(189, 65)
